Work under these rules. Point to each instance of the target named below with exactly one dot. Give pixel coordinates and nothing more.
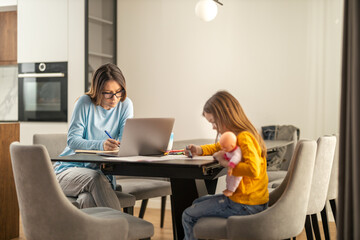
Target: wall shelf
(99, 20)
(100, 36)
(100, 55)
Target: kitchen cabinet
(8, 38)
(100, 35)
(42, 31)
(8, 65)
(9, 217)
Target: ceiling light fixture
(207, 9)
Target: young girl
(224, 112)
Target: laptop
(145, 137)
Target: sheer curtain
(349, 165)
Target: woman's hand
(194, 149)
(219, 156)
(111, 145)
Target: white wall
(76, 43)
(332, 71)
(281, 59)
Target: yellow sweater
(252, 189)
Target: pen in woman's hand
(108, 134)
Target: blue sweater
(87, 126)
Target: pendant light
(207, 9)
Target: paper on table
(157, 159)
(95, 151)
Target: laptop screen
(145, 136)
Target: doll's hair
(228, 112)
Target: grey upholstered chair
(332, 193)
(144, 189)
(47, 214)
(55, 143)
(284, 219)
(277, 176)
(128, 190)
(320, 183)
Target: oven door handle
(40, 75)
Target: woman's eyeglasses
(110, 95)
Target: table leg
(184, 192)
(211, 185)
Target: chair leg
(315, 225)
(129, 210)
(163, 205)
(333, 208)
(325, 223)
(143, 208)
(308, 228)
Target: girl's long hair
(105, 73)
(228, 112)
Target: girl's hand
(219, 156)
(111, 144)
(230, 170)
(194, 149)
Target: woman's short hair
(104, 73)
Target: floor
(165, 233)
(153, 216)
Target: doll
(233, 155)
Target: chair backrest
(280, 159)
(321, 178)
(334, 177)
(289, 151)
(278, 191)
(55, 143)
(44, 209)
(286, 217)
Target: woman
(224, 112)
(104, 107)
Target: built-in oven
(43, 91)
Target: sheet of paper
(157, 159)
(95, 151)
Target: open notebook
(96, 151)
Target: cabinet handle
(40, 75)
